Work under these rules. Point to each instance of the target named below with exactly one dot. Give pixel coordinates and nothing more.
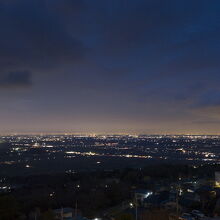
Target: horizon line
(107, 134)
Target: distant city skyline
(118, 66)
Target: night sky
(110, 66)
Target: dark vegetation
(93, 192)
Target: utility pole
(76, 209)
(136, 207)
(62, 213)
(177, 204)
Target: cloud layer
(145, 65)
(16, 79)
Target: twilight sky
(138, 66)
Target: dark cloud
(32, 35)
(205, 122)
(18, 79)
